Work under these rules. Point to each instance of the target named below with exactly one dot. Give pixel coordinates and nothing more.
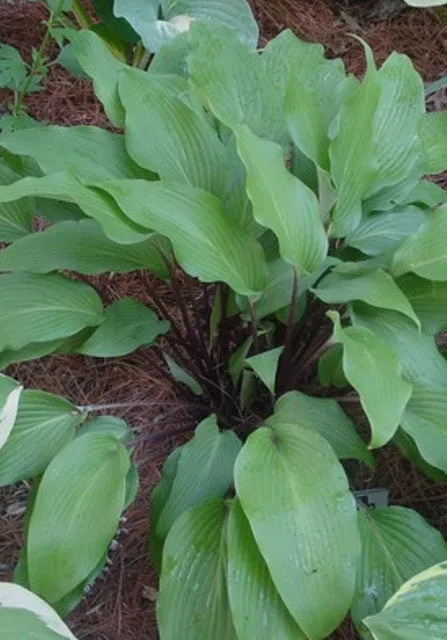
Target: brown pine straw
(121, 606)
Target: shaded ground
(121, 607)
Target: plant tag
(372, 498)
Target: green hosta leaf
(375, 372)
(417, 352)
(257, 609)
(24, 616)
(89, 153)
(282, 203)
(159, 496)
(97, 61)
(396, 544)
(172, 57)
(65, 187)
(194, 577)
(132, 486)
(82, 495)
(160, 122)
(42, 308)
(351, 152)
(107, 425)
(383, 232)
(7, 385)
(429, 301)
(8, 415)
(427, 194)
(425, 420)
(127, 325)
(237, 360)
(425, 252)
(206, 242)
(56, 211)
(45, 423)
(408, 447)
(16, 218)
(34, 351)
(83, 247)
(377, 288)
(417, 609)
(204, 470)
(295, 495)
(182, 376)
(328, 419)
(330, 368)
(265, 365)
(434, 140)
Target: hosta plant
(285, 206)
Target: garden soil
(121, 604)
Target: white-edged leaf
(375, 372)
(8, 415)
(295, 495)
(283, 203)
(80, 497)
(256, 607)
(45, 423)
(193, 576)
(39, 308)
(397, 543)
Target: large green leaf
(383, 232)
(417, 611)
(194, 577)
(127, 325)
(417, 352)
(45, 423)
(425, 420)
(375, 372)
(265, 365)
(39, 308)
(425, 252)
(328, 419)
(257, 609)
(377, 288)
(429, 301)
(434, 141)
(397, 543)
(16, 218)
(283, 203)
(408, 447)
(83, 247)
(206, 241)
(204, 470)
(80, 498)
(98, 205)
(24, 616)
(167, 135)
(88, 153)
(295, 495)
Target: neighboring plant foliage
(295, 196)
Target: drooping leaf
(282, 203)
(425, 252)
(98, 205)
(434, 141)
(180, 375)
(295, 495)
(382, 232)
(429, 301)
(8, 415)
(160, 122)
(375, 372)
(193, 577)
(204, 470)
(328, 419)
(377, 288)
(417, 609)
(82, 495)
(24, 616)
(408, 447)
(127, 325)
(330, 368)
(265, 365)
(83, 247)
(206, 242)
(256, 607)
(33, 351)
(397, 543)
(417, 352)
(86, 152)
(107, 425)
(45, 423)
(39, 308)
(16, 218)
